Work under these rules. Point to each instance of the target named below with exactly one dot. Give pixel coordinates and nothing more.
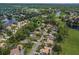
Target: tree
(4, 51)
(57, 49)
(20, 35)
(62, 32)
(8, 32)
(36, 21)
(51, 19)
(1, 25)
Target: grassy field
(71, 44)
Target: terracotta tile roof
(45, 50)
(17, 51)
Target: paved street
(35, 46)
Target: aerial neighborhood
(28, 30)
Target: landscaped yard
(71, 44)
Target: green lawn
(71, 44)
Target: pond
(73, 27)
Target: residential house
(45, 50)
(17, 50)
